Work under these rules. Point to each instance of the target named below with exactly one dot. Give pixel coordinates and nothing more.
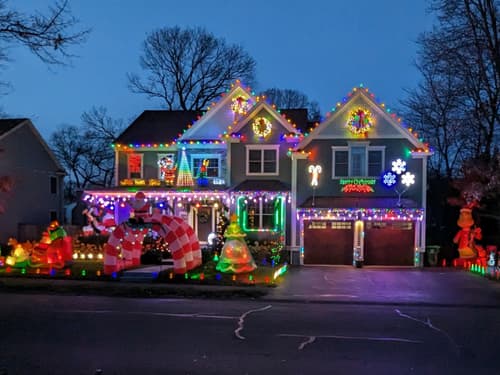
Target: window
(260, 214)
(135, 165)
(262, 160)
(213, 167)
(53, 185)
(358, 160)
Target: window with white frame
(358, 159)
(262, 160)
(212, 161)
(135, 166)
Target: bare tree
(189, 68)
(49, 36)
(85, 151)
(460, 93)
(290, 99)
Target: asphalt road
(50, 334)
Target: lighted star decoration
(315, 171)
(389, 179)
(360, 121)
(408, 179)
(262, 127)
(399, 166)
(240, 105)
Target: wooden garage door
(389, 243)
(328, 242)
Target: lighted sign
(357, 188)
(357, 185)
(315, 171)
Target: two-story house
(321, 193)
(35, 196)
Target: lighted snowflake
(389, 179)
(408, 179)
(399, 166)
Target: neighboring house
(243, 156)
(36, 196)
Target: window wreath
(262, 127)
(360, 121)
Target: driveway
(433, 286)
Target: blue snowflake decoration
(389, 179)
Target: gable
(265, 119)
(217, 118)
(23, 145)
(384, 124)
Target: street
(50, 334)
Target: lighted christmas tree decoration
(399, 166)
(262, 127)
(185, 177)
(389, 179)
(315, 171)
(235, 256)
(360, 121)
(240, 105)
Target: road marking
(326, 295)
(175, 315)
(311, 339)
(429, 324)
(241, 321)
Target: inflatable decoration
(124, 247)
(467, 236)
(235, 256)
(19, 257)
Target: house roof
(265, 185)
(357, 202)
(9, 124)
(157, 126)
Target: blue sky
(321, 48)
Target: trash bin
(432, 254)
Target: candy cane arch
(124, 246)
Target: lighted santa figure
(167, 170)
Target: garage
(389, 243)
(328, 242)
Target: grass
(206, 274)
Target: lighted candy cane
(315, 171)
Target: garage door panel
(328, 242)
(389, 243)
